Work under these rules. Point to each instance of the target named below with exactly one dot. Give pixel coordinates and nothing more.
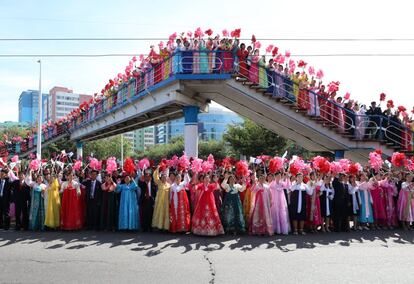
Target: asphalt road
(90, 257)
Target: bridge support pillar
(339, 154)
(79, 150)
(191, 130)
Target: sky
(364, 77)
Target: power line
(160, 38)
(136, 54)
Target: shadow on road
(154, 244)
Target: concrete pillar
(191, 130)
(339, 154)
(79, 150)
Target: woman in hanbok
(296, 80)
(279, 90)
(194, 192)
(323, 100)
(254, 68)
(279, 208)
(313, 204)
(196, 56)
(242, 54)
(206, 220)
(297, 208)
(227, 56)
(313, 109)
(37, 207)
(180, 217)
(260, 215)
(303, 97)
(187, 58)
(70, 211)
(177, 57)
(338, 114)
(263, 80)
(109, 212)
(161, 215)
(378, 198)
(353, 191)
(366, 215)
(325, 199)
(390, 191)
(203, 57)
(232, 210)
(361, 122)
(52, 219)
(218, 193)
(247, 200)
(405, 205)
(165, 63)
(271, 77)
(128, 204)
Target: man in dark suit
(375, 120)
(21, 199)
(93, 201)
(148, 193)
(5, 198)
(341, 203)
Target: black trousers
(340, 220)
(4, 213)
(22, 215)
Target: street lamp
(39, 119)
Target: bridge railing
(347, 121)
(157, 73)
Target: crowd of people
(202, 52)
(269, 195)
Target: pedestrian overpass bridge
(184, 90)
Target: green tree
(251, 139)
(107, 147)
(176, 147)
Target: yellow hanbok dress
(161, 216)
(52, 219)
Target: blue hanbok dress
(128, 206)
(366, 215)
(37, 209)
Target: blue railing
(280, 86)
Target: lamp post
(39, 119)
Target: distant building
(144, 138)
(29, 106)
(62, 101)
(211, 126)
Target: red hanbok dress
(313, 205)
(260, 222)
(378, 203)
(206, 220)
(390, 190)
(254, 70)
(71, 209)
(242, 56)
(323, 105)
(179, 208)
